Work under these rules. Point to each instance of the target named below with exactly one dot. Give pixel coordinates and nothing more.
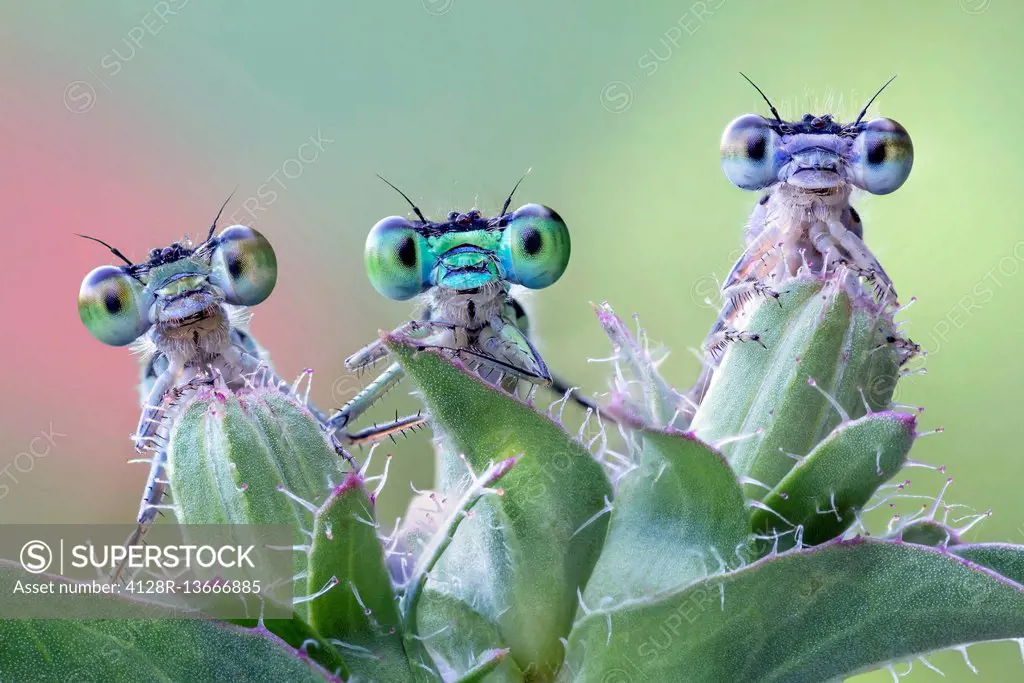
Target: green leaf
(300, 635)
(457, 638)
(488, 662)
(522, 556)
(436, 544)
(816, 330)
(141, 650)
(662, 404)
(824, 492)
(1004, 558)
(232, 453)
(679, 514)
(356, 610)
(808, 615)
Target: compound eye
(535, 247)
(882, 156)
(244, 266)
(748, 150)
(398, 259)
(114, 306)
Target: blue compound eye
(882, 156)
(748, 152)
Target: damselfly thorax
(782, 233)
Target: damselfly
(184, 311)
(806, 170)
(463, 269)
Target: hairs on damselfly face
(178, 295)
(463, 268)
(817, 154)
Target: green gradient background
(453, 100)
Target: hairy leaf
(824, 492)
(136, 649)
(522, 557)
(357, 612)
(815, 331)
(679, 514)
(807, 615)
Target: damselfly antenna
(771, 106)
(508, 201)
(213, 226)
(114, 251)
(865, 109)
(416, 210)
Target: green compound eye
(398, 259)
(244, 266)
(535, 247)
(114, 306)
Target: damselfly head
(529, 247)
(816, 153)
(179, 286)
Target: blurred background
(132, 121)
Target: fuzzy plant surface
(729, 547)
